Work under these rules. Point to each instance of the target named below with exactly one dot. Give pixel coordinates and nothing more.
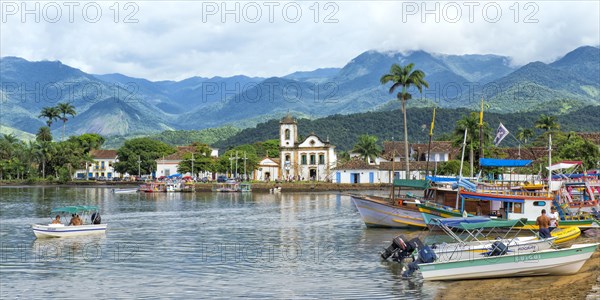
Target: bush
(64, 175)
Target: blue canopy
(456, 222)
(174, 176)
(435, 179)
(496, 162)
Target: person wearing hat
(554, 219)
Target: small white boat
(546, 262)
(125, 191)
(60, 229)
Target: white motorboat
(546, 262)
(125, 191)
(58, 228)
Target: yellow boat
(565, 234)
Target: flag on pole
(481, 114)
(501, 133)
(432, 123)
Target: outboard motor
(96, 219)
(426, 255)
(399, 249)
(498, 248)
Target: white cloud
(172, 41)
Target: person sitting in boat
(96, 219)
(75, 220)
(543, 222)
(56, 220)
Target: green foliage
(547, 123)
(44, 134)
(146, 150)
(573, 147)
(343, 157)
(202, 160)
(88, 141)
(343, 130)
(227, 161)
(268, 148)
(367, 147)
(452, 167)
(64, 175)
(207, 136)
(51, 114)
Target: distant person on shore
(56, 220)
(554, 219)
(478, 209)
(543, 222)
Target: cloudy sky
(173, 40)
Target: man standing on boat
(543, 222)
(554, 217)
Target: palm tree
(50, 113)
(65, 109)
(405, 77)
(44, 134)
(367, 147)
(547, 123)
(525, 134)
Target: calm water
(203, 245)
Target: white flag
(501, 133)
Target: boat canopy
(75, 209)
(457, 221)
(497, 162)
(492, 224)
(567, 164)
(416, 184)
(436, 179)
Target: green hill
(343, 130)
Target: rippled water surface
(203, 245)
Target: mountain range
(115, 104)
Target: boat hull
(566, 234)
(377, 213)
(548, 262)
(49, 231)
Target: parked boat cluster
(471, 213)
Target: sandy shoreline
(577, 286)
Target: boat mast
(549, 164)
(393, 175)
(462, 160)
(429, 147)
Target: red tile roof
(103, 154)
(355, 164)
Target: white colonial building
(310, 159)
(167, 165)
(357, 171)
(267, 169)
(102, 166)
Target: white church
(310, 159)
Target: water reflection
(208, 245)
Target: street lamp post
(245, 174)
(236, 164)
